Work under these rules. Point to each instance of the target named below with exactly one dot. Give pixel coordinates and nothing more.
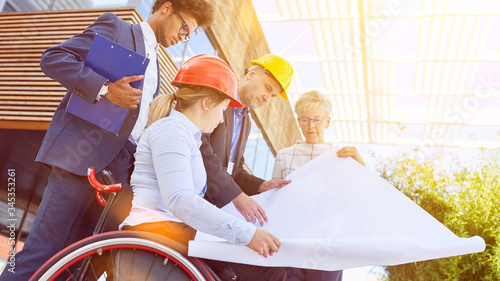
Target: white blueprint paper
(337, 214)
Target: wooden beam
(24, 125)
(238, 37)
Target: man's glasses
(317, 120)
(184, 30)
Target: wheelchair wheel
(130, 255)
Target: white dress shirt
(169, 182)
(291, 158)
(150, 81)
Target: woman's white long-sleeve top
(169, 182)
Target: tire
(152, 256)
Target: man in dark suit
(222, 150)
(68, 211)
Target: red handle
(99, 187)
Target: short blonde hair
(313, 100)
(183, 98)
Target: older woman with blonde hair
(313, 114)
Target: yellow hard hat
(280, 69)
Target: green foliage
(466, 200)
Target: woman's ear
(328, 119)
(205, 103)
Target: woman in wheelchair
(169, 178)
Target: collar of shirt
(191, 126)
(301, 142)
(240, 111)
(149, 36)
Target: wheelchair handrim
(121, 243)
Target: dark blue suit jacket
(70, 142)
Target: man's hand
(250, 209)
(274, 183)
(121, 93)
(351, 151)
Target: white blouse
(169, 182)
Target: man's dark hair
(201, 10)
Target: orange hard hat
(209, 71)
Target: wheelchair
(122, 255)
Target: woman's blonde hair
(313, 100)
(182, 99)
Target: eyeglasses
(184, 30)
(317, 120)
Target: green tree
(466, 200)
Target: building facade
(29, 98)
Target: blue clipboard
(114, 62)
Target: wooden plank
(27, 118)
(42, 20)
(28, 108)
(37, 36)
(77, 27)
(27, 83)
(7, 52)
(35, 46)
(21, 90)
(33, 33)
(24, 98)
(17, 42)
(19, 64)
(40, 24)
(61, 14)
(80, 25)
(10, 76)
(25, 125)
(5, 113)
(28, 103)
(34, 59)
(27, 56)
